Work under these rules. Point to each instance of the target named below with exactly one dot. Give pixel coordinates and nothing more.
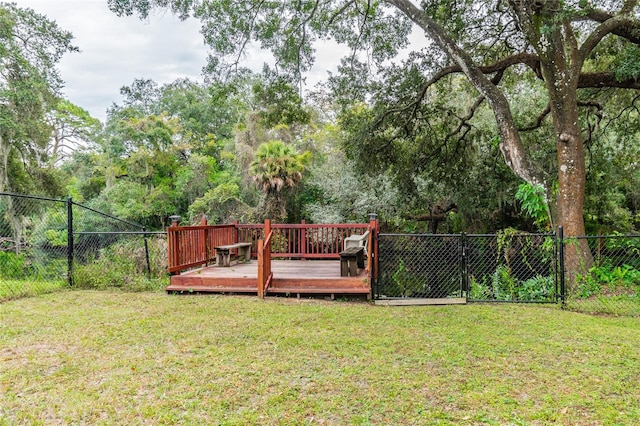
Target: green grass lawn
(87, 357)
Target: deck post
(267, 228)
(173, 242)
(261, 277)
(203, 240)
(374, 225)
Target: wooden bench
(223, 253)
(350, 259)
(357, 240)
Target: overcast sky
(115, 51)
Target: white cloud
(115, 51)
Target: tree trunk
(561, 74)
(571, 181)
(5, 149)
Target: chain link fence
(111, 252)
(33, 251)
(609, 282)
(513, 267)
(419, 266)
(48, 244)
(510, 267)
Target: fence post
(563, 293)
(464, 288)
(70, 242)
(146, 252)
(267, 228)
(173, 241)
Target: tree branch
(545, 112)
(605, 79)
(499, 67)
(598, 34)
(629, 29)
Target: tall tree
(73, 128)
(276, 169)
(30, 47)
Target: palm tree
(277, 169)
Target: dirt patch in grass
(148, 358)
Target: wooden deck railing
(303, 241)
(192, 246)
(265, 276)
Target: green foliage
(609, 280)
(341, 195)
(72, 127)
(402, 280)
(628, 63)
(277, 166)
(502, 286)
(538, 288)
(416, 119)
(278, 102)
(276, 170)
(613, 179)
(12, 265)
(123, 265)
(221, 204)
(630, 245)
(532, 200)
(30, 47)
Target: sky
(116, 50)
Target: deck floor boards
(290, 276)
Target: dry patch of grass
(148, 358)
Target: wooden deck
(290, 277)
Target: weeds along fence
(48, 244)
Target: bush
(123, 265)
(12, 265)
(610, 280)
(502, 286)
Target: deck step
(318, 290)
(209, 289)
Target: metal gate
(513, 267)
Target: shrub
(123, 265)
(607, 279)
(12, 265)
(502, 286)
